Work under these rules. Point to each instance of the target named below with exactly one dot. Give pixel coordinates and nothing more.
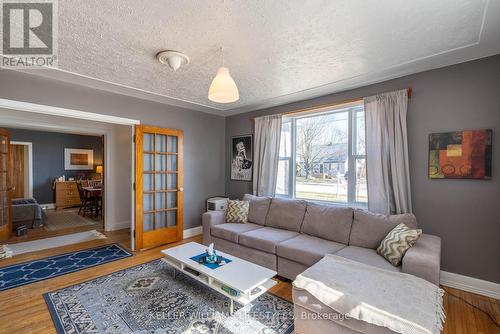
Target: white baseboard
(470, 284)
(191, 232)
(117, 225)
(48, 206)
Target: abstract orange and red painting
(460, 155)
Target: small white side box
(217, 204)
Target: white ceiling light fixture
(174, 59)
(223, 89)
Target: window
(322, 157)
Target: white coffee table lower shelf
(249, 279)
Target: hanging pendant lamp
(223, 89)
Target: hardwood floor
(23, 309)
(36, 234)
(42, 233)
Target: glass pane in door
(172, 144)
(161, 201)
(148, 144)
(161, 143)
(148, 202)
(172, 218)
(148, 162)
(172, 162)
(161, 182)
(172, 199)
(148, 182)
(172, 181)
(148, 223)
(161, 162)
(161, 220)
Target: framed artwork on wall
(78, 159)
(463, 154)
(241, 158)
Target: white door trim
(65, 112)
(28, 187)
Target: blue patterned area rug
(50, 267)
(148, 299)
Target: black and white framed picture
(241, 158)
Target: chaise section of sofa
(290, 236)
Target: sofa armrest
(210, 219)
(424, 258)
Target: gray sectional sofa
(289, 236)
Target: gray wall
(48, 158)
(464, 213)
(204, 148)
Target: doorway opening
(76, 183)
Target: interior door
(158, 186)
(5, 190)
(17, 163)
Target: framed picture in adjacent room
(241, 158)
(463, 154)
(78, 159)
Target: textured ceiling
(277, 51)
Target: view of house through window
(322, 156)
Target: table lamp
(98, 169)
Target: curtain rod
(330, 105)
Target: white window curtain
(266, 154)
(387, 153)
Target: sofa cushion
(259, 207)
(328, 222)
(231, 231)
(286, 214)
(397, 242)
(237, 211)
(366, 256)
(266, 238)
(306, 249)
(369, 229)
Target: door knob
(181, 189)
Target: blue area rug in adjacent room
(147, 299)
(50, 267)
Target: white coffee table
(249, 279)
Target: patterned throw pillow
(237, 211)
(397, 242)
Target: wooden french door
(5, 189)
(158, 186)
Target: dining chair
(94, 183)
(87, 203)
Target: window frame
(353, 155)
